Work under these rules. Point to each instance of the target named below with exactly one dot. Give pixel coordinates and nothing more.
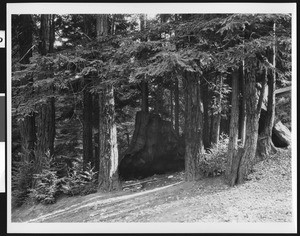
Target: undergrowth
(213, 163)
(46, 186)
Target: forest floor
(265, 197)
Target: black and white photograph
(177, 114)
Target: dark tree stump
(155, 148)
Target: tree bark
(159, 101)
(246, 156)
(108, 177)
(108, 149)
(171, 106)
(45, 121)
(206, 131)
(193, 126)
(87, 127)
(27, 126)
(176, 98)
(28, 136)
(243, 115)
(234, 125)
(265, 144)
(144, 98)
(216, 121)
(52, 33)
(95, 161)
(25, 38)
(101, 26)
(44, 34)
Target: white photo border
(151, 8)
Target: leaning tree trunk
(234, 126)
(246, 156)
(45, 122)
(266, 146)
(193, 126)
(108, 149)
(87, 127)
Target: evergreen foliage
(209, 46)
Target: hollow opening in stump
(154, 149)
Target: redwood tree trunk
(25, 38)
(171, 106)
(95, 161)
(234, 125)
(176, 97)
(193, 126)
(52, 33)
(216, 121)
(206, 131)
(45, 121)
(246, 156)
(44, 34)
(87, 127)
(101, 25)
(108, 177)
(27, 126)
(243, 115)
(144, 98)
(265, 143)
(159, 101)
(28, 136)
(108, 149)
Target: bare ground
(265, 197)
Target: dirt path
(266, 197)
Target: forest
(98, 100)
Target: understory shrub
(48, 185)
(80, 182)
(22, 176)
(213, 163)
